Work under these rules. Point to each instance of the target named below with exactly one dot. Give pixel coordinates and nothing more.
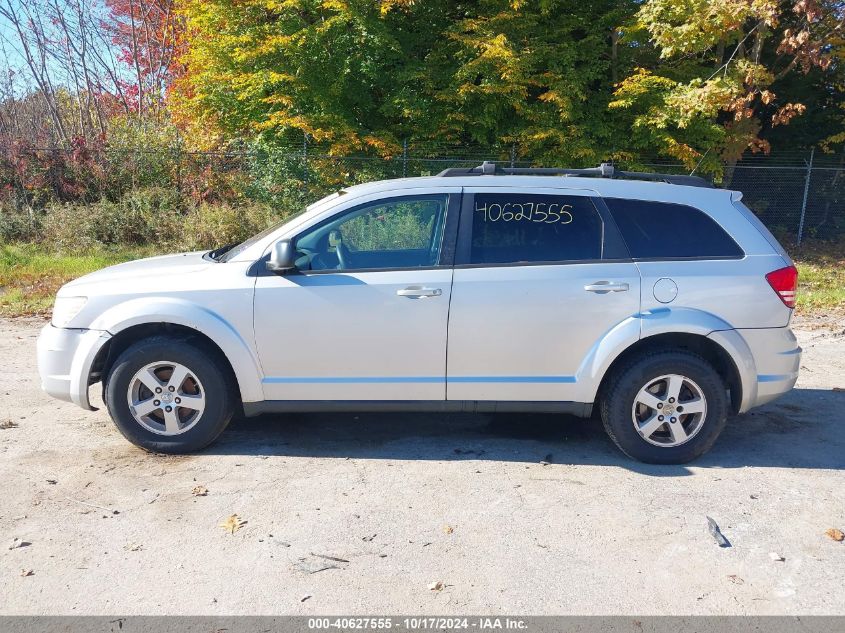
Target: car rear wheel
(169, 395)
(665, 407)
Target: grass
(30, 275)
(821, 277)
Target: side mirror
(282, 258)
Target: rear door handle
(418, 292)
(603, 287)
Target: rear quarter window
(661, 230)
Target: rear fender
(666, 321)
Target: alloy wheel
(669, 410)
(166, 398)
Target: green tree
(727, 74)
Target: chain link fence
(796, 194)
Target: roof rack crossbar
(605, 170)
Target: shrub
(18, 224)
(142, 217)
(152, 217)
(213, 225)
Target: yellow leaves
(752, 74)
(642, 83)
(685, 26)
(233, 524)
(388, 5)
(681, 151)
(383, 147)
(269, 45)
(335, 5)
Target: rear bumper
(65, 358)
(777, 357)
(768, 360)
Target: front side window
(660, 230)
(404, 232)
(510, 228)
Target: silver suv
(659, 301)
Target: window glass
(512, 228)
(663, 230)
(396, 233)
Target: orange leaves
(785, 114)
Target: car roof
(605, 187)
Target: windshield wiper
(217, 253)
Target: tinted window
(396, 233)
(662, 230)
(512, 228)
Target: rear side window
(512, 228)
(659, 230)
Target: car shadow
(804, 429)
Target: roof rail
(605, 170)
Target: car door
(541, 276)
(364, 315)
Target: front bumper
(65, 357)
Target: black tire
(617, 402)
(211, 371)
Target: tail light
(784, 281)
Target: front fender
(188, 314)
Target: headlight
(66, 308)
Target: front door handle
(603, 287)
(418, 292)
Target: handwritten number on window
(539, 213)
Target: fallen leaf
(52, 482)
(436, 586)
(735, 579)
(199, 491)
(8, 424)
(836, 535)
(233, 524)
(305, 597)
(776, 557)
(448, 529)
(27, 572)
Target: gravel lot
(404, 501)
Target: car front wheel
(665, 407)
(169, 395)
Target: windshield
(230, 251)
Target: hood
(161, 268)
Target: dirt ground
(360, 514)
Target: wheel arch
(139, 319)
(700, 344)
